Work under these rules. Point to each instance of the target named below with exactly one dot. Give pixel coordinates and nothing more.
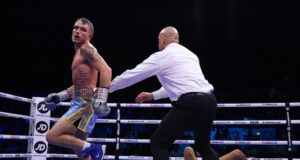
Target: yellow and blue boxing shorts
(82, 114)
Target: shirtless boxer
(73, 128)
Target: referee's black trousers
(192, 111)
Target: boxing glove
(53, 99)
(100, 104)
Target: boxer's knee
(51, 138)
(238, 154)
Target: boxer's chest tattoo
(81, 78)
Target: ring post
(39, 127)
(288, 129)
(118, 131)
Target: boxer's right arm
(54, 98)
(70, 90)
(65, 94)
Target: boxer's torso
(83, 73)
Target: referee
(194, 105)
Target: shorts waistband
(85, 92)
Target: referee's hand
(144, 97)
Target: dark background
(245, 47)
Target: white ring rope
(106, 121)
(17, 98)
(224, 105)
(216, 142)
(218, 122)
(220, 105)
(162, 105)
(5, 114)
(294, 104)
(68, 104)
(97, 121)
(133, 121)
(21, 137)
(150, 158)
(16, 155)
(3, 136)
(109, 140)
(22, 155)
(113, 140)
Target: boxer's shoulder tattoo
(88, 53)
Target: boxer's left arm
(98, 62)
(93, 57)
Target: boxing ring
(40, 124)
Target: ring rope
(21, 155)
(68, 104)
(294, 104)
(5, 114)
(220, 105)
(138, 121)
(23, 137)
(162, 105)
(16, 155)
(218, 122)
(97, 121)
(216, 142)
(109, 140)
(113, 140)
(17, 98)
(4, 136)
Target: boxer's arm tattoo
(88, 53)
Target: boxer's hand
(51, 100)
(144, 97)
(100, 105)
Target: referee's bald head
(170, 32)
(166, 36)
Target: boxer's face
(81, 33)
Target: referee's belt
(195, 94)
